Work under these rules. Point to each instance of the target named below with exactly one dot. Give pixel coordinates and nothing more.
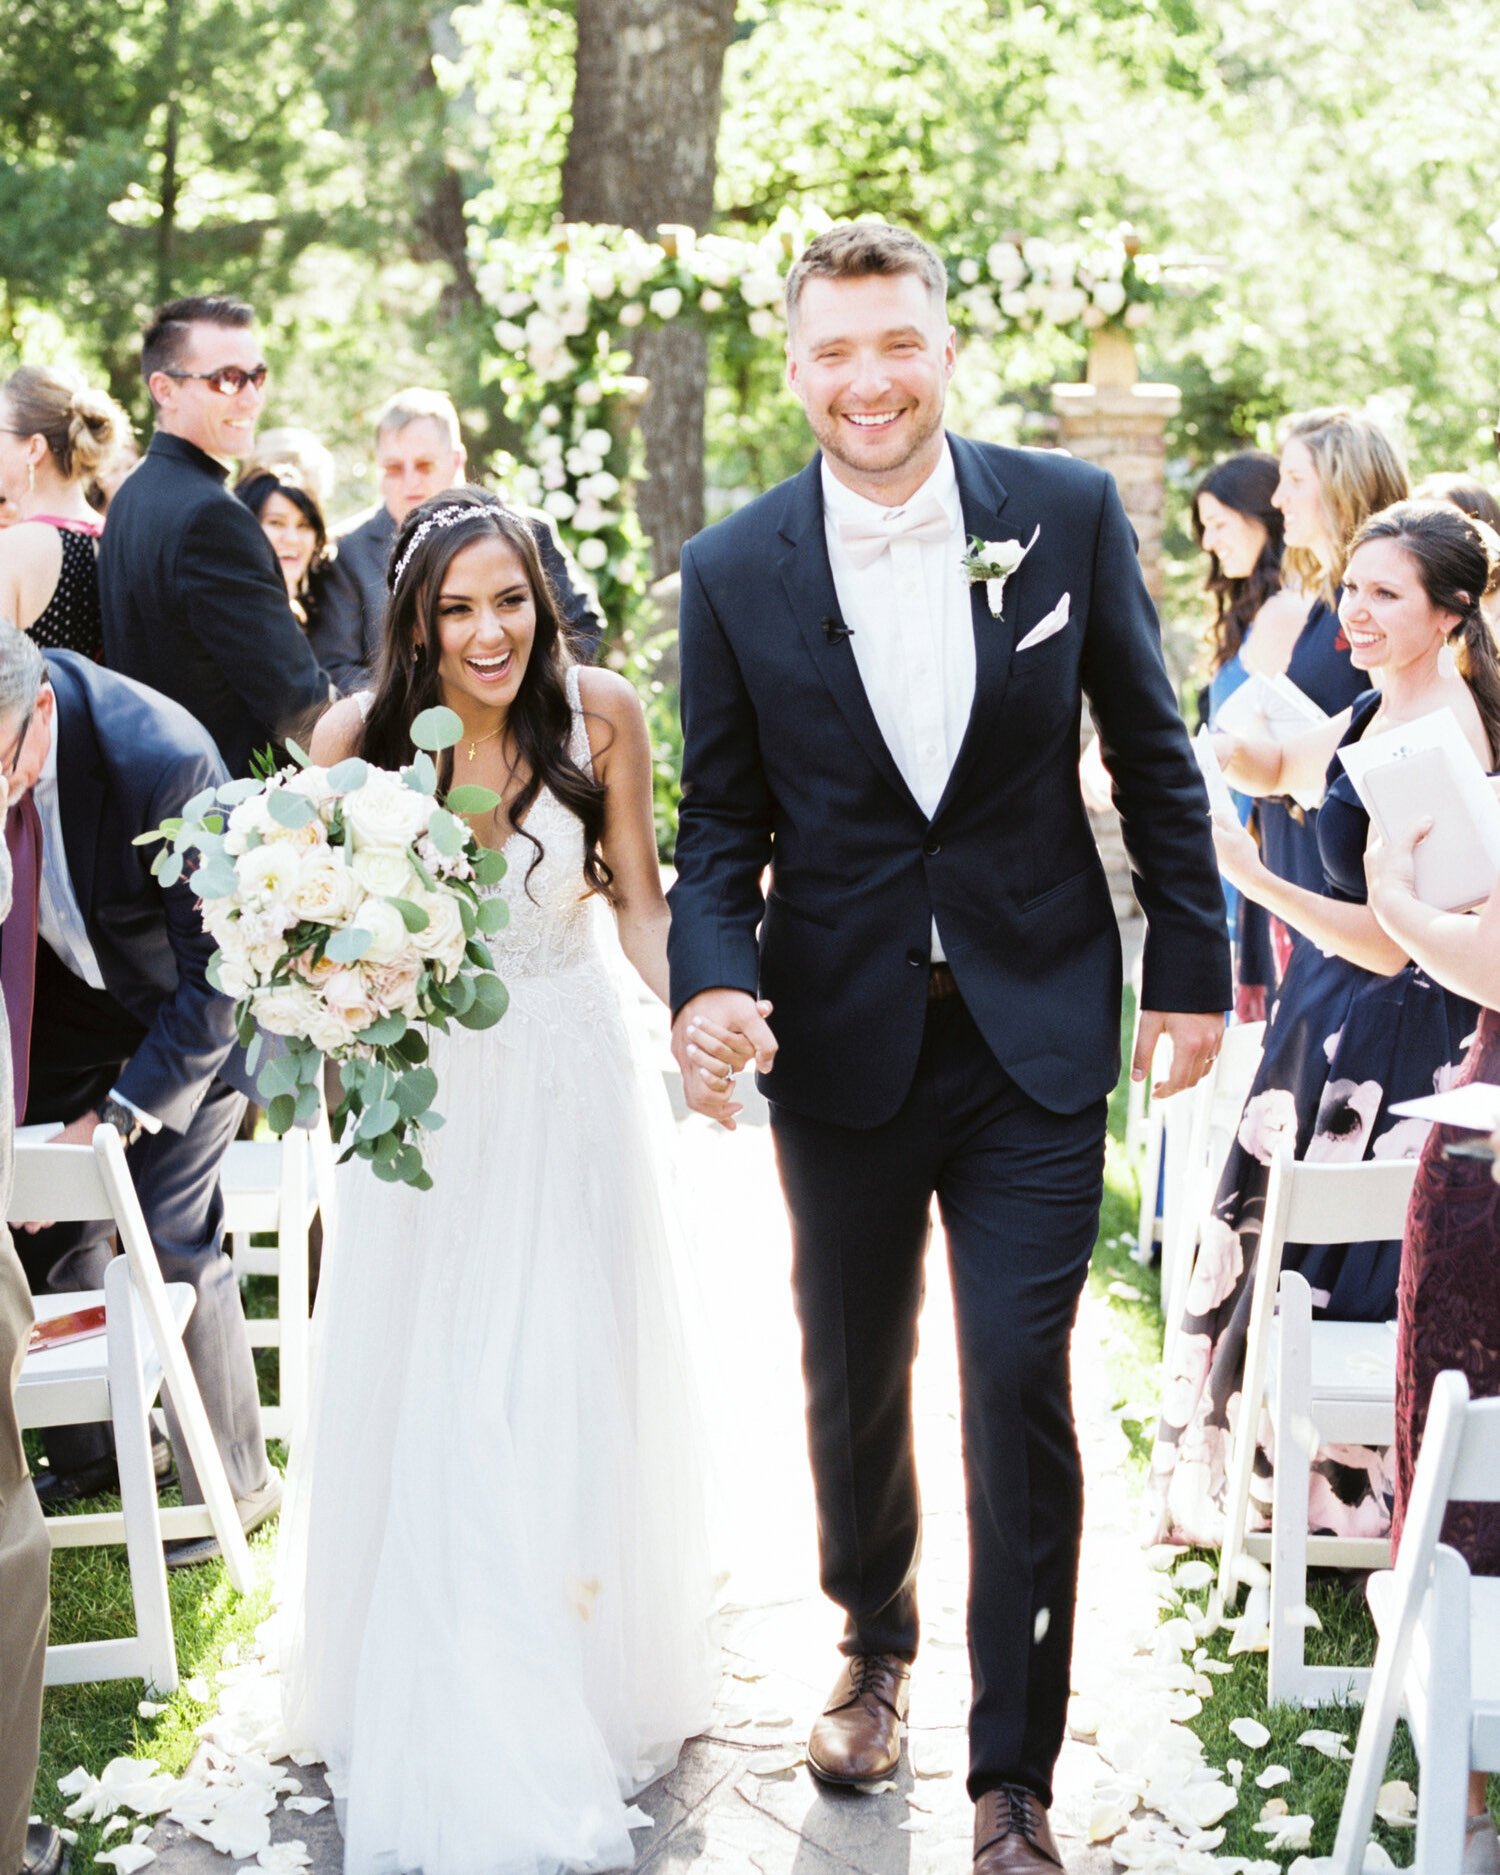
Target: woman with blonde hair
(56, 432)
(1337, 469)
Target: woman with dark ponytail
(500, 1485)
(1358, 1027)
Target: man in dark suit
(418, 454)
(112, 1018)
(899, 742)
(190, 590)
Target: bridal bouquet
(346, 908)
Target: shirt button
(916, 958)
(932, 848)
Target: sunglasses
(228, 380)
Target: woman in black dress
(56, 433)
(1448, 1311)
(1357, 1028)
(292, 520)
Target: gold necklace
(477, 741)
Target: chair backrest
(1340, 1204)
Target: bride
(495, 1571)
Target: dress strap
(578, 739)
(65, 526)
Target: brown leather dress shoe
(857, 1741)
(1012, 1835)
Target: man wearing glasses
(191, 594)
(111, 1017)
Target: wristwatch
(125, 1120)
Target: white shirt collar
(839, 500)
(48, 776)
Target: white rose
(968, 271)
(343, 991)
(1109, 297)
(666, 302)
(236, 978)
(268, 874)
(443, 938)
(1137, 315)
(600, 441)
(328, 1030)
(384, 870)
(247, 817)
(515, 302)
(590, 517)
(762, 323)
(589, 393)
(385, 812)
(560, 504)
(709, 301)
(600, 281)
(554, 475)
(600, 487)
(632, 313)
(592, 554)
(311, 782)
(1014, 304)
(581, 461)
(287, 1009)
(325, 891)
(1007, 268)
(387, 930)
(509, 336)
(760, 288)
(392, 988)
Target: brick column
(1122, 425)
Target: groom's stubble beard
(826, 434)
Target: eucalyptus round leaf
(193, 809)
(384, 1031)
(281, 1113)
(169, 868)
(216, 878)
(233, 792)
(379, 1117)
(421, 774)
(289, 810)
(344, 777)
(345, 946)
(446, 833)
(471, 800)
(298, 754)
(307, 1105)
(412, 916)
(437, 728)
(494, 915)
(490, 868)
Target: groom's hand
(1195, 1043)
(708, 1078)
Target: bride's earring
(31, 478)
(1447, 663)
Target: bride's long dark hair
(406, 683)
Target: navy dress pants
(1018, 1190)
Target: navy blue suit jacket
(785, 766)
(128, 759)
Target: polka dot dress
(70, 619)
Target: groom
(899, 743)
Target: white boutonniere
(993, 561)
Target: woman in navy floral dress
(1357, 1028)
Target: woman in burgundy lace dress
(56, 433)
(1449, 1294)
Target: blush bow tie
(866, 538)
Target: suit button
(932, 848)
(916, 958)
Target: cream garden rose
(387, 929)
(442, 939)
(384, 870)
(326, 890)
(386, 813)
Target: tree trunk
(642, 151)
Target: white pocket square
(1050, 625)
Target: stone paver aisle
(741, 1799)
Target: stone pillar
(1122, 424)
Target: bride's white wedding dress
(495, 1575)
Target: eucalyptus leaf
(170, 869)
(385, 1168)
(256, 1049)
(345, 946)
(471, 800)
(384, 1031)
(493, 915)
(413, 1046)
(288, 809)
(412, 916)
(298, 754)
(233, 792)
(150, 839)
(421, 774)
(216, 878)
(379, 1117)
(446, 833)
(468, 913)
(415, 1091)
(201, 801)
(278, 1076)
(387, 1146)
(344, 777)
(309, 1064)
(437, 728)
(491, 866)
(307, 1105)
(281, 1113)
(461, 994)
(211, 971)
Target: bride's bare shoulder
(338, 732)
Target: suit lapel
(982, 496)
(80, 788)
(808, 582)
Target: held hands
(1195, 1043)
(715, 1035)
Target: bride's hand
(718, 1048)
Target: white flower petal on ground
(918, 1770)
(1331, 1744)
(1194, 1575)
(306, 1806)
(284, 1858)
(1250, 1733)
(115, 1822)
(1397, 1804)
(198, 1688)
(1236, 1770)
(1084, 1717)
(774, 1763)
(1106, 1820)
(150, 1708)
(129, 1857)
(1287, 1832)
(1274, 1776)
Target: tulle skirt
(495, 1571)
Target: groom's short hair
(858, 249)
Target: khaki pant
(25, 1556)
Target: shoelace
(1019, 1816)
(871, 1674)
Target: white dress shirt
(912, 622)
(59, 919)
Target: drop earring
(31, 478)
(1447, 663)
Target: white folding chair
(118, 1377)
(1438, 1662)
(1325, 1382)
(277, 1186)
(1217, 1104)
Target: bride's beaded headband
(440, 517)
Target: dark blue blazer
(785, 766)
(127, 759)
